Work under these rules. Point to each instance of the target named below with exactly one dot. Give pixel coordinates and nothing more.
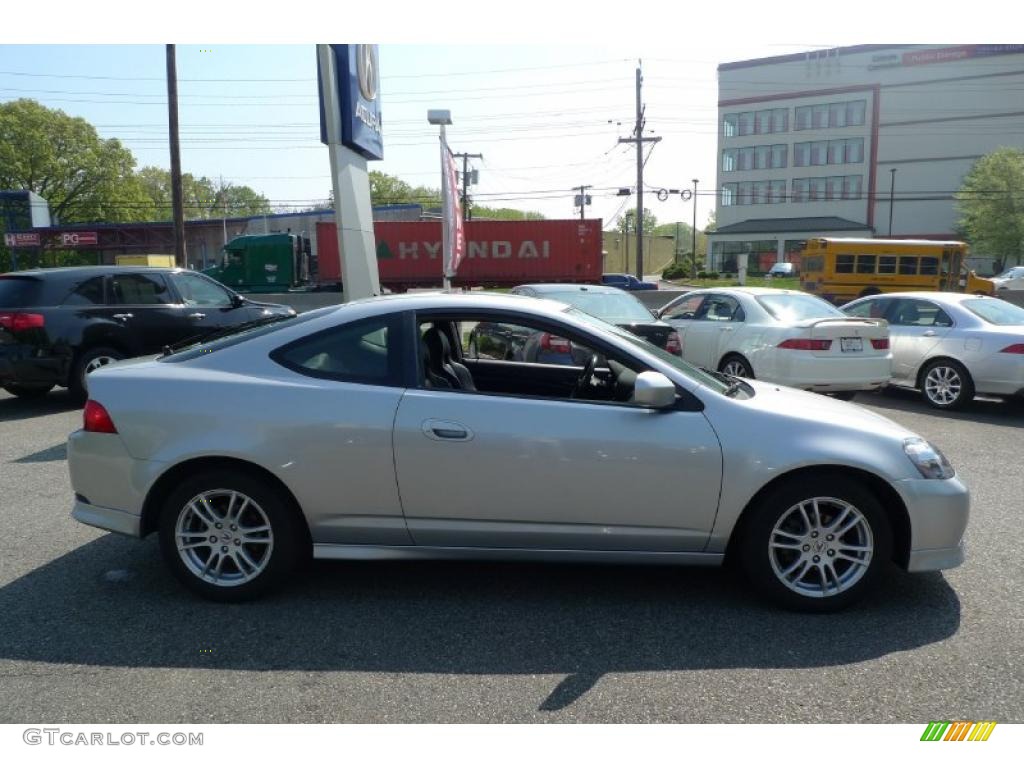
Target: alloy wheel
(943, 385)
(736, 368)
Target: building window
(730, 124)
(836, 115)
(800, 190)
(780, 120)
(777, 191)
(836, 152)
(729, 160)
(852, 187)
(762, 157)
(763, 121)
(855, 150)
(760, 192)
(819, 153)
(729, 194)
(803, 118)
(745, 192)
(819, 116)
(802, 154)
(778, 155)
(834, 188)
(746, 123)
(816, 189)
(855, 111)
(746, 159)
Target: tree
(63, 159)
(506, 214)
(627, 222)
(991, 203)
(201, 197)
(391, 190)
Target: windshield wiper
(170, 349)
(735, 382)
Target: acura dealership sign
(357, 95)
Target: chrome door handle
(123, 316)
(196, 316)
(725, 330)
(928, 333)
(436, 429)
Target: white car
(951, 346)
(786, 337)
(1010, 280)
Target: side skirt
(369, 552)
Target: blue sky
(545, 115)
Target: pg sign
(357, 95)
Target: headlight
(928, 459)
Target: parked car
(627, 282)
(366, 431)
(1010, 280)
(612, 305)
(59, 325)
(788, 337)
(951, 346)
(783, 269)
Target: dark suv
(57, 325)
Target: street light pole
(892, 189)
(693, 253)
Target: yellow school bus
(841, 269)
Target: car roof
(398, 302)
(744, 290)
(569, 287)
(86, 271)
(940, 296)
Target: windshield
(610, 307)
(675, 361)
(1011, 273)
(996, 311)
(789, 307)
(245, 333)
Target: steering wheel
(585, 377)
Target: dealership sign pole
(454, 234)
(350, 126)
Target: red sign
(75, 239)
(21, 239)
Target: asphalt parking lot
(94, 629)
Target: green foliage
(201, 197)
(63, 159)
(991, 203)
(507, 214)
(391, 190)
(627, 222)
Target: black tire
(29, 391)
(268, 506)
(847, 396)
(740, 362)
(85, 359)
(760, 562)
(955, 375)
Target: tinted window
(19, 291)
(197, 291)
(201, 348)
(520, 343)
(873, 308)
(929, 265)
(686, 309)
(139, 289)
(908, 265)
(887, 265)
(914, 312)
(865, 265)
(363, 351)
(87, 292)
(844, 263)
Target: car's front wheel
(816, 544)
(228, 535)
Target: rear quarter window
(18, 292)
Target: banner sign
(21, 239)
(357, 74)
(943, 55)
(52, 240)
(456, 245)
(75, 239)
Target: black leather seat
(431, 379)
(440, 362)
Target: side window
(887, 265)
(518, 343)
(908, 265)
(87, 292)
(865, 264)
(872, 308)
(364, 351)
(920, 313)
(197, 291)
(685, 309)
(844, 264)
(929, 265)
(135, 289)
(721, 308)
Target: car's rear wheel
(736, 365)
(228, 535)
(87, 362)
(816, 544)
(27, 391)
(946, 384)
(847, 396)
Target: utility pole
(176, 202)
(466, 216)
(892, 192)
(583, 198)
(639, 139)
(694, 247)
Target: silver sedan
(375, 431)
(951, 346)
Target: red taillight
(555, 344)
(812, 345)
(21, 321)
(1014, 349)
(673, 345)
(880, 343)
(96, 419)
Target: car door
(709, 333)
(682, 315)
(142, 304)
(500, 470)
(207, 306)
(916, 328)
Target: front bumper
(938, 510)
(115, 520)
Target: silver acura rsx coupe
(375, 430)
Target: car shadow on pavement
(17, 409)
(112, 603)
(1004, 413)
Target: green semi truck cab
(270, 263)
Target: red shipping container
(498, 253)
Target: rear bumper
(115, 520)
(21, 364)
(803, 370)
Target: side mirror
(237, 300)
(656, 313)
(654, 390)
